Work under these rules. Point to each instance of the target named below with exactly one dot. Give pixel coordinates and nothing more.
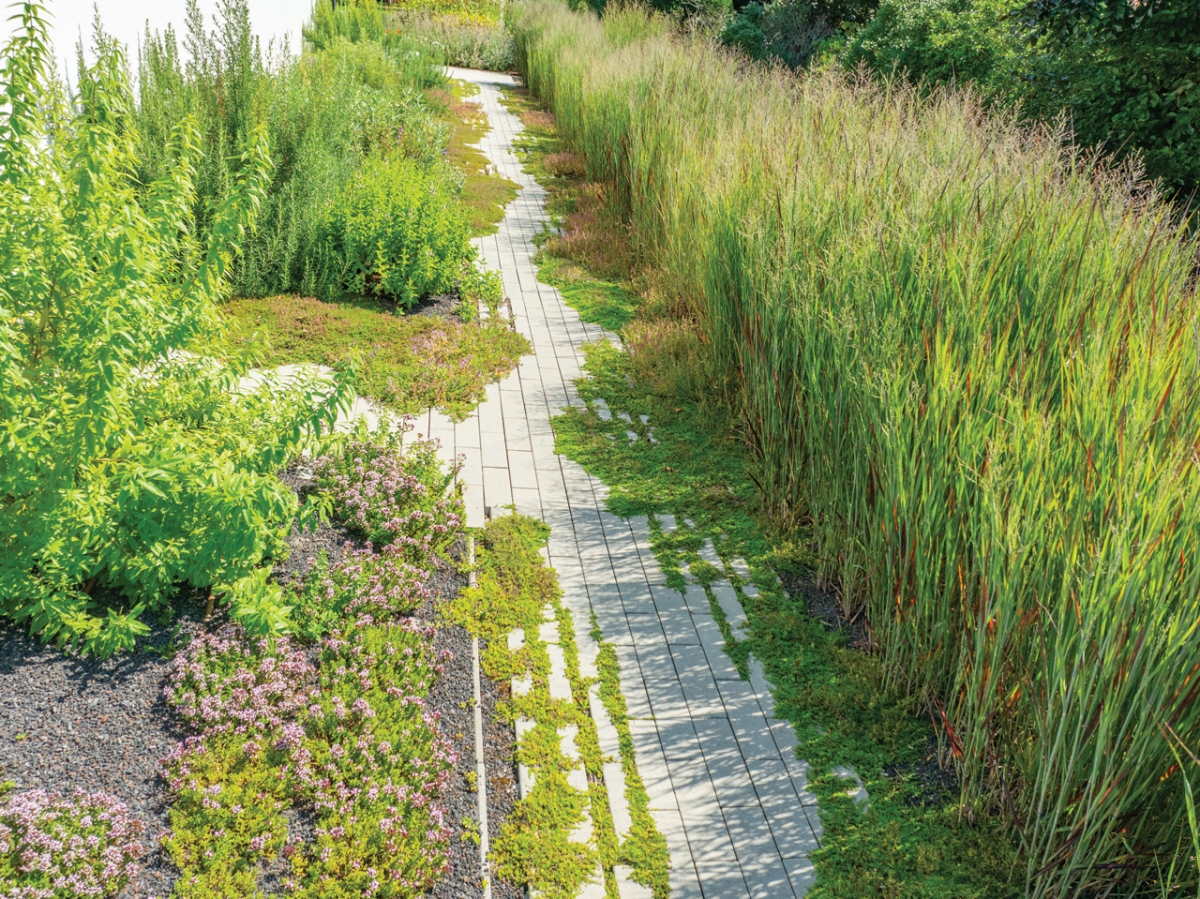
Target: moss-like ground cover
(515, 590)
(408, 363)
(908, 842)
(485, 191)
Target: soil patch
(69, 723)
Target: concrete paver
(726, 788)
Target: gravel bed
(453, 696)
(70, 723)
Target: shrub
(784, 30)
(355, 92)
(959, 359)
(1126, 73)
(128, 465)
(396, 231)
(391, 495)
(941, 41)
(55, 847)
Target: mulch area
(69, 723)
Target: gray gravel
(70, 723)
(453, 696)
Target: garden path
(726, 789)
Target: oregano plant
(133, 460)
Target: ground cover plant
(982, 423)
(537, 845)
(486, 192)
(66, 847)
(330, 727)
(407, 363)
(128, 466)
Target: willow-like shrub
(967, 359)
(129, 463)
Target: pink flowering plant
(375, 766)
(390, 494)
(361, 589)
(346, 737)
(66, 847)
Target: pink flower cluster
(364, 587)
(351, 737)
(393, 496)
(56, 847)
(227, 682)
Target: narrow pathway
(725, 786)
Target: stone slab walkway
(726, 788)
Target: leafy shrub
(941, 41)
(1126, 72)
(784, 30)
(396, 231)
(128, 465)
(56, 847)
(363, 588)
(355, 92)
(392, 495)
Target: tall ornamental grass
(970, 362)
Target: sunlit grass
(966, 364)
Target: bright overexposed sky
(126, 20)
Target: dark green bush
(784, 30)
(397, 231)
(941, 41)
(1128, 75)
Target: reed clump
(969, 361)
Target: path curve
(726, 788)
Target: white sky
(126, 21)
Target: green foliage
(474, 42)
(784, 30)
(396, 231)
(515, 589)
(354, 95)
(128, 465)
(407, 363)
(956, 358)
(942, 41)
(1127, 73)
